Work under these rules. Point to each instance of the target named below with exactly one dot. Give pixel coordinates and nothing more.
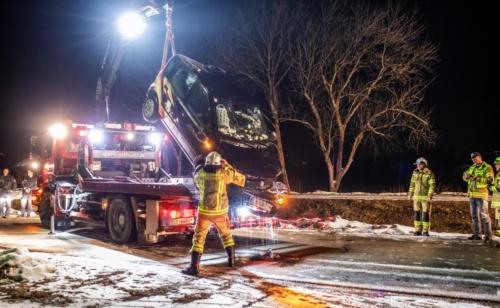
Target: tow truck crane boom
(112, 60)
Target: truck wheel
(120, 221)
(45, 211)
(150, 108)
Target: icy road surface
(304, 269)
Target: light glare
(131, 25)
(96, 136)
(58, 131)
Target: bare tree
(259, 51)
(362, 73)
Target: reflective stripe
(420, 198)
(478, 195)
(228, 243)
(212, 212)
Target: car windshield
(223, 85)
(242, 123)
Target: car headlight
(243, 211)
(154, 138)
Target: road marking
(415, 276)
(411, 267)
(402, 290)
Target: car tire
(150, 108)
(120, 220)
(45, 211)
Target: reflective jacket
(213, 191)
(478, 188)
(495, 188)
(422, 184)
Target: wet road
(339, 269)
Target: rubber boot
(417, 233)
(231, 259)
(194, 268)
(425, 233)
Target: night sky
(51, 52)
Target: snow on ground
(401, 196)
(358, 228)
(113, 279)
(19, 264)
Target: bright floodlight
(130, 136)
(58, 131)
(154, 138)
(96, 136)
(35, 165)
(131, 25)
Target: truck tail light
(174, 214)
(188, 213)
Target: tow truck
(110, 175)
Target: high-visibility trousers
(422, 215)
(497, 222)
(203, 224)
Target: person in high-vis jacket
(495, 202)
(212, 179)
(422, 187)
(478, 176)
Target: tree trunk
(273, 104)
(332, 184)
(281, 153)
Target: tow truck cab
(110, 175)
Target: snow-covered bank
(328, 195)
(113, 279)
(343, 226)
(19, 264)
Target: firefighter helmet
(214, 159)
(474, 154)
(497, 161)
(421, 160)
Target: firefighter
(7, 185)
(422, 186)
(478, 176)
(29, 184)
(495, 203)
(212, 179)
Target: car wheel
(120, 220)
(150, 108)
(45, 211)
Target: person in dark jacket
(7, 185)
(29, 184)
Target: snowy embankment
(18, 264)
(327, 195)
(340, 226)
(112, 278)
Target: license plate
(183, 221)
